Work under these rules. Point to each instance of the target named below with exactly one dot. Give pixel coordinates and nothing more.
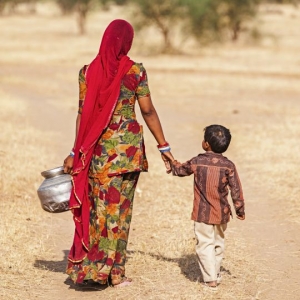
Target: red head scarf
(103, 80)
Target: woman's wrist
(164, 147)
(72, 152)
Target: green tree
(203, 19)
(238, 12)
(163, 14)
(81, 8)
(210, 20)
(66, 6)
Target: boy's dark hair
(218, 137)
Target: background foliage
(206, 21)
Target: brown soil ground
(252, 88)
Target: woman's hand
(68, 164)
(242, 217)
(152, 120)
(167, 157)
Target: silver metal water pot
(54, 192)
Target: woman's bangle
(72, 153)
(163, 149)
(166, 149)
(166, 144)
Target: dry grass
(161, 255)
(253, 90)
(23, 152)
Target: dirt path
(269, 238)
(253, 90)
(274, 245)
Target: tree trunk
(82, 9)
(235, 31)
(32, 7)
(168, 48)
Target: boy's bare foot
(212, 284)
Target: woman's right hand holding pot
(68, 164)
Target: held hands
(240, 217)
(68, 164)
(166, 155)
(167, 158)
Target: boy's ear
(206, 145)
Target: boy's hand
(176, 163)
(241, 217)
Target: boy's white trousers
(209, 249)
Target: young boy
(213, 174)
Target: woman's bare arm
(152, 120)
(78, 119)
(68, 162)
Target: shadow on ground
(52, 265)
(188, 264)
(86, 286)
(60, 267)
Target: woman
(108, 156)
